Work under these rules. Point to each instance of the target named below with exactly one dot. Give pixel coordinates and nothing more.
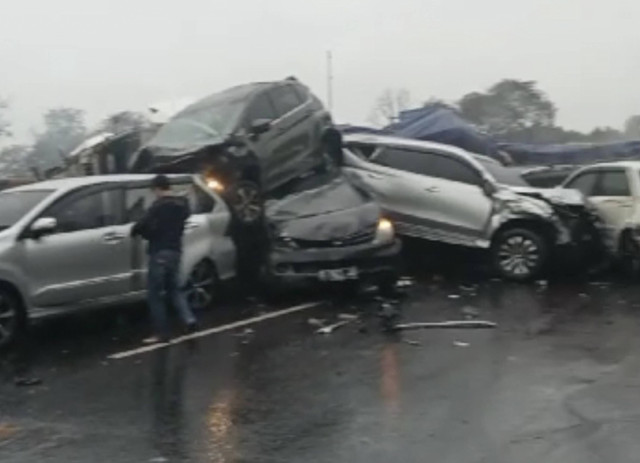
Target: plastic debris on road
(331, 328)
(454, 296)
(461, 344)
(347, 316)
(467, 324)
(405, 282)
(316, 322)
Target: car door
(264, 145)
(86, 256)
(610, 193)
(292, 139)
(430, 195)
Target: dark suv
(247, 140)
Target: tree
(13, 160)
(508, 106)
(389, 105)
(4, 124)
(124, 121)
(64, 130)
(632, 127)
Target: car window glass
(285, 99)
(613, 183)
(408, 161)
(137, 201)
(303, 93)
(261, 108)
(452, 169)
(86, 211)
(584, 183)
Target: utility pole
(330, 80)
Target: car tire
(13, 318)
(519, 254)
(202, 286)
(246, 202)
(629, 255)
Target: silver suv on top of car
(443, 193)
(65, 245)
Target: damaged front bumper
(367, 262)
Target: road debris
(27, 382)
(454, 296)
(347, 316)
(412, 342)
(461, 344)
(331, 328)
(470, 312)
(471, 324)
(405, 282)
(316, 322)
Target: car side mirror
(260, 126)
(488, 187)
(43, 226)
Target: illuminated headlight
(385, 232)
(214, 184)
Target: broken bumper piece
(356, 263)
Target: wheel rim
(247, 205)
(8, 318)
(519, 255)
(200, 286)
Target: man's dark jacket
(163, 224)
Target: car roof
(402, 142)
(75, 182)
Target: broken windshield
(200, 125)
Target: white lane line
(217, 329)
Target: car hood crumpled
(555, 196)
(331, 211)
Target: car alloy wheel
(10, 318)
(519, 254)
(247, 202)
(201, 286)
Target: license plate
(338, 274)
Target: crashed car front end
(577, 226)
(316, 238)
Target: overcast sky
(109, 55)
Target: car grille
(361, 237)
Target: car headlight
(385, 232)
(214, 184)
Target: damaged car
(330, 231)
(614, 190)
(247, 141)
(442, 193)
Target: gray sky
(109, 55)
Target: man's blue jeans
(162, 284)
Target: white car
(614, 190)
(65, 246)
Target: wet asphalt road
(557, 381)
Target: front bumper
(373, 262)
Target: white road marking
(217, 329)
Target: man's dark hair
(161, 182)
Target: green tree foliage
(509, 106)
(64, 130)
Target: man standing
(163, 226)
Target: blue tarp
(571, 153)
(443, 125)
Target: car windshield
(15, 204)
(502, 174)
(202, 124)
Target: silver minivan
(65, 245)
